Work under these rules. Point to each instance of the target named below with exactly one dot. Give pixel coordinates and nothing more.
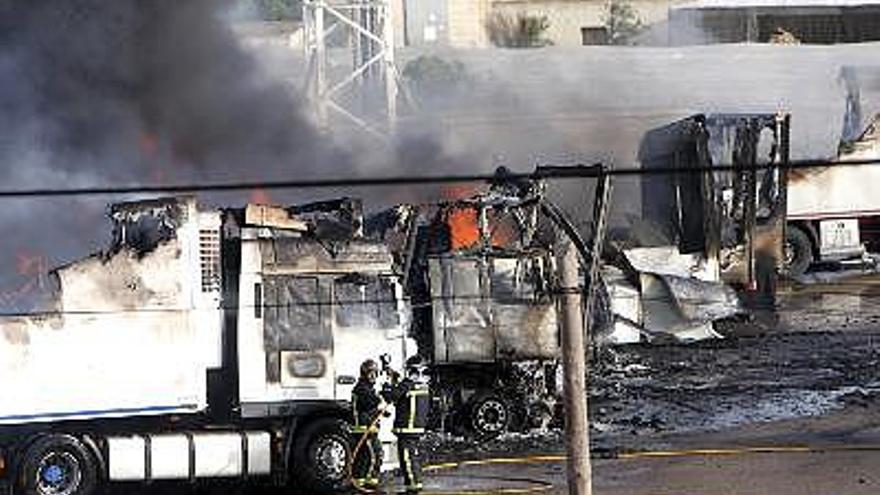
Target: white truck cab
(202, 344)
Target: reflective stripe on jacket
(411, 403)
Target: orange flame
(464, 224)
(260, 197)
(464, 229)
(458, 191)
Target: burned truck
(484, 310)
(714, 192)
(203, 343)
(480, 275)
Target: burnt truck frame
(486, 314)
(481, 279)
(734, 215)
(204, 344)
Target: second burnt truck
(480, 273)
(203, 344)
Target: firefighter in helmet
(365, 403)
(411, 401)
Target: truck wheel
(489, 415)
(322, 460)
(798, 251)
(57, 465)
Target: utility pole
(575, 338)
(366, 29)
(574, 372)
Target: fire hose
(372, 428)
(373, 424)
(540, 486)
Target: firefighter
(411, 401)
(365, 403)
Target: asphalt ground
(726, 472)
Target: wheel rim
(490, 417)
(789, 253)
(58, 473)
(331, 458)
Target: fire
(464, 223)
(464, 228)
(260, 197)
(458, 191)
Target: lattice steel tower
(352, 87)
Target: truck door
(298, 336)
(367, 323)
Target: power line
(458, 300)
(578, 171)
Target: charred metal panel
(300, 254)
(737, 206)
(364, 301)
(673, 202)
(130, 329)
(663, 313)
(524, 314)
(462, 315)
(293, 319)
(146, 266)
(293, 314)
(141, 226)
(495, 309)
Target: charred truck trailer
(716, 189)
(203, 344)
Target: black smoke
(125, 85)
(133, 92)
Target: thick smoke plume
(129, 89)
(98, 92)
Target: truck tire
(57, 465)
(798, 251)
(322, 459)
(489, 415)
